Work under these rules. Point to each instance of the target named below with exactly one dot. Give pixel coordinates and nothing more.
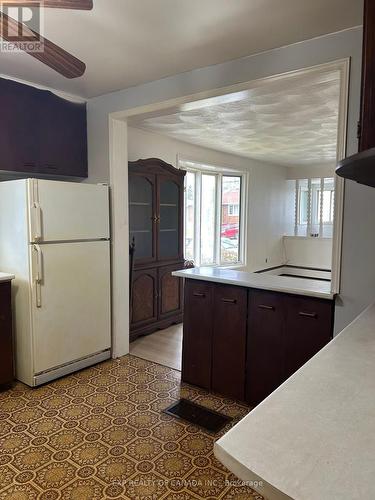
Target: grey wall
(358, 271)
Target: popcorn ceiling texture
(100, 434)
(288, 121)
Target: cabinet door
(309, 326)
(229, 341)
(169, 239)
(142, 216)
(265, 345)
(197, 337)
(144, 298)
(170, 291)
(63, 132)
(20, 141)
(6, 350)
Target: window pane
(315, 206)
(230, 219)
(328, 206)
(189, 215)
(303, 204)
(208, 218)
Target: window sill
(307, 237)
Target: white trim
(344, 67)
(118, 133)
(118, 180)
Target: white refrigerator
(54, 236)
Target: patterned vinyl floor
(100, 434)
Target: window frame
(312, 193)
(219, 172)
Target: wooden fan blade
(52, 55)
(54, 4)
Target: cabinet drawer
(229, 341)
(197, 337)
(309, 324)
(265, 344)
(6, 348)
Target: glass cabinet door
(141, 216)
(169, 219)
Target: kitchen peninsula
(246, 333)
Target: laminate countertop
(6, 277)
(313, 438)
(261, 281)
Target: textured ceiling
(128, 42)
(288, 121)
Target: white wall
(308, 252)
(265, 194)
(358, 271)
(311, 171)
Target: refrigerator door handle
(38, 275)
(37, 221)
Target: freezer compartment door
(71, 302)
(67, 211)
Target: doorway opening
(281, 136)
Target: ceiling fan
(51, 54)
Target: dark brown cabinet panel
(170, 292)
(6, 347)
(40, 132)
(156, 192)
(265, 344)
(367, 136)
(197, 338)
(229, 341)
(144, 297)
(309, 324)
(243, 343)
(284, 332)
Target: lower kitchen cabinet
(6, 343)
(265, 344)
(309, 326)
(197, 337)
(284, 331)
(229, 341)
(243, 343)
(214, 341)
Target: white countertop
(262, 281)
(6, 277)
(314, 437)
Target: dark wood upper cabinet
(367, 129)
(41, 133)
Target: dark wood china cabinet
(156, 228)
